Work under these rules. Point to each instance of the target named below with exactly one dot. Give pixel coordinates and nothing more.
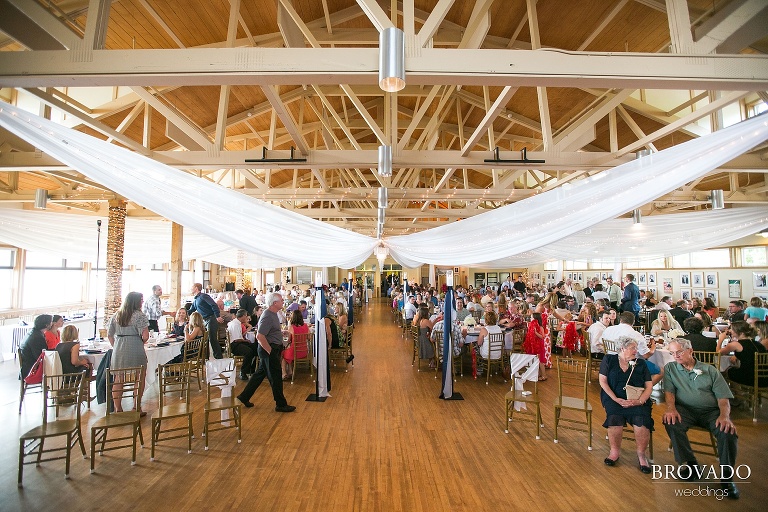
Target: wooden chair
(477, 314)
(755, 392)
(610, 346)
(129, 380)
(700, 446)
(405, 324)
(706, 357)
(495, 354)
(103, 334)
(524, 414)
(438, 339)
(228, 352)
(415, 341)
(220, 404)
(518, 338)
(301, 344)
(350, 332)
(23, 386)
(341, 353)
(174, 382)
(628, 433)
(169, 324)
(572, 378)
(195, 354)
(639, 328)
(59, 391)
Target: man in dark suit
(247, 302)
(736, 311)
(681, 311)
(700, 343)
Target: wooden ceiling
(457, 107)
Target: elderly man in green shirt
(696, 394)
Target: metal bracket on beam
(265, 159)
(525, 160)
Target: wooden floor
(383, 442)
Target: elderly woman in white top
(490, 327)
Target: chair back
(477, 314)
(707, 357)
(222, 379)
(761, 368)
(61, 391)
(350, 332)
(301, 343)
(193, 348)
(495, 345)
(169, 324)
(518, 338)
(572, 378)
(174, 381)
(131, 380)
(639, 328)
(610, 346)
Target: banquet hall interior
(244, 144)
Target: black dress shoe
(733, 491)
(285, 408)
(609, 462)
(350, 358)
(244, 401)
(645, 469)
(243, 376)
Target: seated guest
(681, 311)
(665, 304)
(195, 327)
(578, 295)
(736, 311)
(52, 334)
(509, 320)
(461, 311)
(238, 345)
(710, 330)
(755, 311)
(762, 332)
(710, 308)
(664, 323)
(617, 371)
(490, 327)
(296, 326)
(488, 297)
(650, 301)
(700, 343)
(410, 308)
(424, 324)
(596, 331)
(697, 395)
(179, 323)
(301, 306)
(488, 308)
(69, 353)
(625, 329)
(34, 344)
(744, 347)
(695, 305)
(599, 293)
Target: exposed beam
(490, 117)
(160, 21)
(375, 14)
(34, 27)
(436, 17)
(734, 27)
(603, 23)
(174, 117)
(679, 27)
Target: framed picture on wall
(697, 279)
(698, 294)
(455, 270)
(685, 293)
(493, 278)
(667, 285)
(715, 296)
(685, 279)
(652, 279)
(759, 280)
(642, 279)
(734, 288)
(580, 277)
(710, 278)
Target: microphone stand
(96, 305)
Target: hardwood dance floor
(383, 442)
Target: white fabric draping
(279, 236)
(275, 233)
(546, 218)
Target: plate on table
(93, 351)
(163, 344)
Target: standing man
(519, 285)
(614, 293)
(154, 309)
(269, 337)
(631, 299)
(696, 394)
(205, 305)
(246, 302)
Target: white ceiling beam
(734, 27)
(434, 20)
(370, 121)
(417, 117)
(375, 14)
(285, 8)
(433, 66)
(132, 115)
(478, 25)
(339, 121)
(680, 27)
(490, 117)
(569, 139)
(175, 118)
(603, 23)
(690, 118)
(34, 27)
(160, 21)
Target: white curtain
(521, 232)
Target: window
(755, 108)
(653, 263)
(703, 259)
(6, 276)
(304, 275)
(550, 265)
(754, 256)
(575, 265)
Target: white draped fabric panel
(523, 233)
(573, 207)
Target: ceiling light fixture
(637, 216)
(718, 202)
(385, 161)
(41, 198)
(391, 59)
(383, 197)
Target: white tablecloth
(216, 369)
(155, 356)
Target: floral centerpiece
(674, 333)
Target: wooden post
(177, 243)
(115, 245)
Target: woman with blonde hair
(69, 353)
(664, 323)
(195, 327)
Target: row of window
(756, 256)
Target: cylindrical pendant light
(391, 59)
(382, 197)
(637, 216)
(41, 198)
(385, 160)
(718, 201)
(381, 215)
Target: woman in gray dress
(127, 332)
